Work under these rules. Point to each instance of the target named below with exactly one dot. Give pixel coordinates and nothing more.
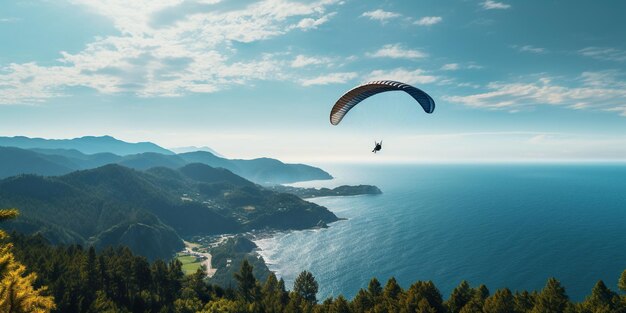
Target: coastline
(222, 254)
(264, 239)
(307, 193)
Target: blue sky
(513, 80)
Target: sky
(513, 80)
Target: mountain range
(149, 211)
(87, 145)
(48, 157)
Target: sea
(502, 225)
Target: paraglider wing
(362, 92)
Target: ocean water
(500, 225)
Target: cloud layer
(592, 90)
(191, 54)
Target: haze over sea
(501, 225)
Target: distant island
(344, 190)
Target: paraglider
(351, 98)
(377, 146)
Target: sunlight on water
(500, 225)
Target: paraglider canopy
(351, 98)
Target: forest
(75, 279)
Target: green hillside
(148, 211)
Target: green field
(190, 263)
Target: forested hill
(149, 210)
(45, 161)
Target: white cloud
(620, 109)
(450, 67)
(605, 54)
(457, 66)
(303, 61)
(591, 90)
(130, 17)
(416, 76)
(193, 54)
(396, 51)
(464, 85)
(311, 23)
(579, 106)
(332, 78)
(531, 49)
(610, 78)
(428, 20)
(493, 5)
(380, 15)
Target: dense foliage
(113, 280)
(228, 257)
(82, 280)
(17, 291)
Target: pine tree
(7, 214)
(246, 282)
(285, 294)
(601, 299)
(102, 303)
(375, 290)
(392, 290)
(273, 294)
(89, 281)
(17, 293)
(501, 302)
(294, 304)
(361, 302)
(524, 301)
(392, 297)
(423, 296)
(482, 292)
(306, 287)
(424, 307)
(461, 295)
(622, 282)
(340, 305)
(473, 306)
(552, 298)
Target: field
(190, 263)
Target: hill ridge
(112, 204)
